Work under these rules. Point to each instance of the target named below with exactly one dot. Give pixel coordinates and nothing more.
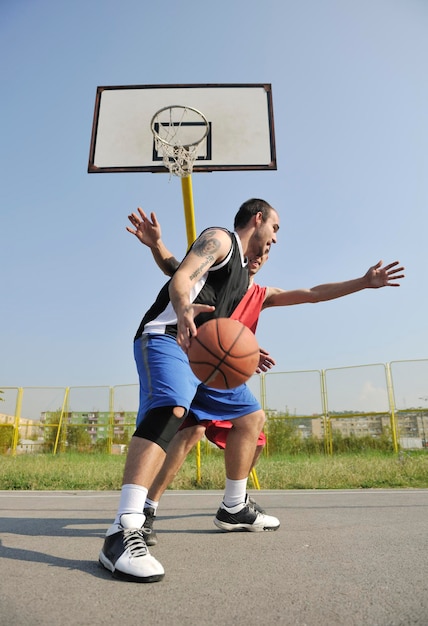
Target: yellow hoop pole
(189, 215)
(189, 210)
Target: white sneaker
(125, 552)
(246, 518)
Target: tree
(50, 431)
(78, 438)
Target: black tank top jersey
(222, 286)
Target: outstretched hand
(148, 231)
(378, 276)
(266, 362)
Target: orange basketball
(224, 354)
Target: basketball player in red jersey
(256, 299)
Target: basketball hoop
(179, 131)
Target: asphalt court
(356, 558)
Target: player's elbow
(314, 297)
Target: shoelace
(133, 540)
(252, 504)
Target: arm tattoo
(207, 244)
(199, 270)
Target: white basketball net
(178, 132)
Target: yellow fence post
(254, 478)
(328, 448)
(110, 432)
(263, 405)
(253, 472)
(17, 420)
(61, 418)
(198, 463)
(391, 407)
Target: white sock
(235, 493)
(132, 499)
(152, 504)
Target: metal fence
(319, 408)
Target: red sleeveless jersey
(249, 308)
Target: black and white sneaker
(125, 552)
(253, 504)
(246, 518)
(149, 533)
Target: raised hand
(148, 231)
(378, 276)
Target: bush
(6, 438)
(288, 436)
(352, 443)
(285, 436)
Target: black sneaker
(249, 500)
(125, 552)
(245, 519)
(149, 534)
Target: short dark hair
(250, 208)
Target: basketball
(224, 354)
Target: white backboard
(240, 116)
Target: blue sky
(350, 93)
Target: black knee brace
(160, 425)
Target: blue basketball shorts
(223, 404)
(164, 374)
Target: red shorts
(216, 431)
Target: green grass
(74, 471)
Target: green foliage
(62, 471)
(6, 437)
(100, 446)
(352, 443)
(95, 471)
(50, 432)
(123, 438)
(285, 437)
(288, 436)
(78, 438)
